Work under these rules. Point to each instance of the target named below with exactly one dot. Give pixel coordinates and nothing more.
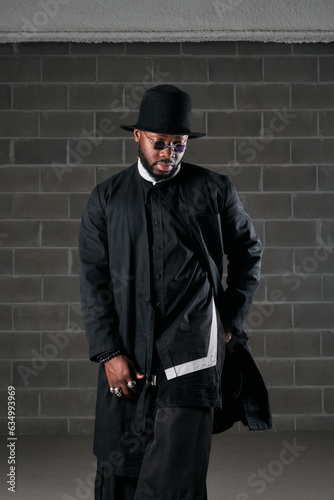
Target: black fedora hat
(165, 109)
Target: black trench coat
(115, 295)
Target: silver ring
(112, 390)
(131, 384)
(118, 391)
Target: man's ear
(136, 134)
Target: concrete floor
(245, 466)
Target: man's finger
(131, 384)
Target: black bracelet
(109, 356)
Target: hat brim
(191, 135)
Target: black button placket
(158, 248)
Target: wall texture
(161, 21)
(268, 110)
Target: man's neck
(145, 174)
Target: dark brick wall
(268, 110)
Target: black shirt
(182, 295)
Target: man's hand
(121, 370)
(228, 329)
(228, 336)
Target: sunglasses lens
(179, 148)
(160, 145)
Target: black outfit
(183, 299)
(151, 265)
(175, 462)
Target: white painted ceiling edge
(161, 21)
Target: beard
(149, 167)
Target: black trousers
(175, 463)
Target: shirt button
(157, 222)
(158, 304)
(158, 249)
(158, 276)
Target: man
(156, 316)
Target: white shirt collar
(144, 173)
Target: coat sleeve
(97, 304)
(243, 250)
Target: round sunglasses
(160, 145)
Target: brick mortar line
(204, 164)
(176, 82)
(51, 110)
(29, 247)
(245, 138)
(304, 414)
(55, 138)
(67, 388)
(93, 388)
(240, 83)
(306, 387)
(294, 359)
(28, 389)
(275, 247)
(290, 329)
(254, 219)
(290, 303)
(68, 275)
(65, 247)
(34, 276)
(119, 82)
(86, 359)
(11, 248)
(259, 193)
(38, 332)
(63, 305)
(181, 55)
(37, 220)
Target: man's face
(159, 164)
